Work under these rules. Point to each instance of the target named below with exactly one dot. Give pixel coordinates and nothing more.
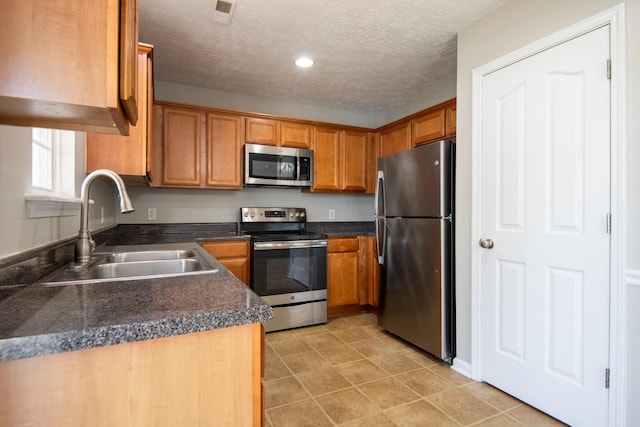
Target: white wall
(19, 233)
(176, 206)
(508, 28)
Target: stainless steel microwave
(266, 165)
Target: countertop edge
(47, 344)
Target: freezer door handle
(381, 220)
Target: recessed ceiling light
(304, 62)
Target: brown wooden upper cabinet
(78, 74)
(339, 159)
(395, 138)
(435, 123)
(196, 148)
(278, 132)
(129, 156)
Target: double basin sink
(151, 261)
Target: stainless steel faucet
(85, 244)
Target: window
(52, 174)
(53, 162)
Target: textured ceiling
(370, 56)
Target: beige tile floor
(350, 372)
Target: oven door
(285, 267)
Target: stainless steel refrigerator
(414, 233)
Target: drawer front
(223, 250)
(347, 244)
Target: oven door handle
(292, 244)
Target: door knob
(486, 243)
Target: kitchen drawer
(343, 244)
(227, 249)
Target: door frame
(615, 17)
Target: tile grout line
(366, 327)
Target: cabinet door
(127, 155)
(395, 139)
(182, 148)
(262, 131)
(224, 151)
(354, 163)
(450, 119)
(296, 135)
(235, 256)
(342, 279)
(61, 64)
(428, 127)
(326, 158)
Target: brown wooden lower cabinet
(342, 272)
(352, 275)
(205, 378)
(234, 255)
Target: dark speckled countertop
(37, 320)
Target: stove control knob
(297, 214)
(246, 214)
(291, 214)
(252, 214)
(301, 214)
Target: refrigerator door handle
(381, 209)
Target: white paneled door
(545, 183)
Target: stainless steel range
(288, 266)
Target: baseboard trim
(462, 367)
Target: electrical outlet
(152, 214)
(332, 214)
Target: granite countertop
(36, 320)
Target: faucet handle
(92, 243)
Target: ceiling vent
(224, 11)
